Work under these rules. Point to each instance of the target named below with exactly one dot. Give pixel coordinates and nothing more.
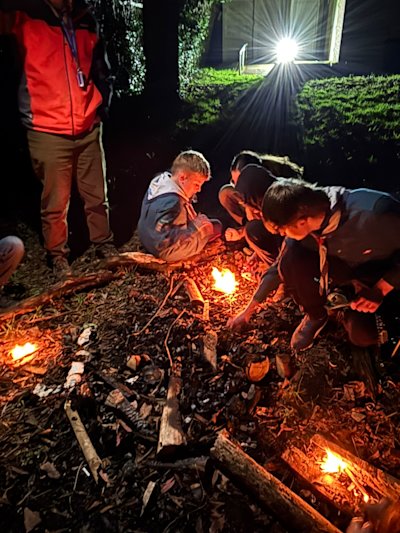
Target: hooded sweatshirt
(167, 224)
(367, 238)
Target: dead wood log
(193, 291)
(288, 508)
(93, 460)
(320, 482)
(63, 288)
(366, 474)
(363, 366)
(171, 436)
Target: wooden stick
(171, 435)
(193, 291)
(366, 474)
(210, 341)
(93, 460)
(289, 509)
(140, 259)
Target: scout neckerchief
(333, 223)
(68, 30)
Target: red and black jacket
(50, 98)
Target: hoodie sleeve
(177, 242)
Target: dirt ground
(46, 484)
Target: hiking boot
(103, 251)
(305, 333)
(61, 268)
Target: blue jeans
(11, 253)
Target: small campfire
(24, 353)
(224, 280)
(333, 464)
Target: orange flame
(224, 280)
(22, 351)
(333, 463)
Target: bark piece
(289, 509)
(171, 436)
(210, 341)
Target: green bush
(351, 125)
(210, 95)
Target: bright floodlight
(286, 50)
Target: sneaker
(103, 251)
(61, 268)
(305, 333)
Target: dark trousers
(299, 269)
(57, 160)
(265, 244)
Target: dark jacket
(368, 235)
(50, 98)
(167, 224)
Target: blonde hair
(191, 161)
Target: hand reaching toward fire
(382, 517)
(242, 319)
(232, 234)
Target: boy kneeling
(169, 227)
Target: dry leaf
(31, 519)
(257, 371)
(50, 470)
(134, 362)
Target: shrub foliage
(351, 125)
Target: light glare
(286, 50)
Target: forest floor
(46, 484)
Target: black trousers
(299, 269)
(265, 244)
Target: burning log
(320, 482)
(366, 474)
(289, 508)
(171, 435)
(60, 289)
(193, 291)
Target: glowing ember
(224, 280)
(333, 463)
(22, 351)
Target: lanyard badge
(69, 34)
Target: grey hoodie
(167, 224)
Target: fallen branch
(289, 509)
(140, 259)
(93, 460)
(63, 288)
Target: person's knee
(361, 329)
(225, 194)
(15, 247)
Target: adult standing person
(64, 91)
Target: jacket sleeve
(178, 242)
(102, 77)
(269, 282)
